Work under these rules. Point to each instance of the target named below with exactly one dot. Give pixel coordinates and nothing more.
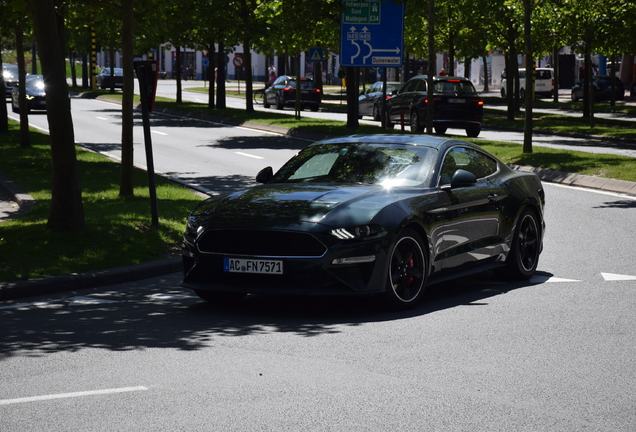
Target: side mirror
(462, 178)
(265, 175)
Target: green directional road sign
(372, 33)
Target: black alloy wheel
(523, 259)
(407, 270)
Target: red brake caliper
(411, 263)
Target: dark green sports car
(367, 214)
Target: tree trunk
(127, 158)
(486, 77)
(297, 106)
(4, 120)
(247, 54)
(432, 66)
(211, 58)
(25, 137)
(352, 97)
(527, 129)
(67, 211)
(221, 65)
(179, 74)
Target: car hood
(289, 206)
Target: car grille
(261, 243)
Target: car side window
(421, 87)
(473, 161)
(409, 86)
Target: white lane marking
(102, 118)
(71, 395)
(617, 277)
(159, 133)
(549, 279)
(249, 155)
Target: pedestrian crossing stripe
(617, 277)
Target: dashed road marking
(71, 395)
(249, 155)
(617, 277)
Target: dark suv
(456, 104)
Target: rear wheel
(415, 122)
(376, 113)
(524, 253)
(407, 269)
(473, 131)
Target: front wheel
(407, 270)
(376, 113)
(279, 102)
(524, 253)
(265, 102)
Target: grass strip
(117, 232)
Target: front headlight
(361, 232)
(193, 227)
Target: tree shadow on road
(157, 313)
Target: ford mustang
(367, 214)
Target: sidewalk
(13, 202)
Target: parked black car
(370, 102)
(602, 87)
(35, 94)
(367, 214)
(10, 76)
(103, 78)
(456, 105)
(282, 93)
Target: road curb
(90, 279)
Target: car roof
(441, 77)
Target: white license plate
(459, 101)
(235, 265)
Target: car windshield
(304, 84)
(388, 165)
(34, 81)
(454, 87)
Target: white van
(543, 83)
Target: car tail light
(435, 99)
(478, 101)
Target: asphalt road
(555, 354)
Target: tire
(415, 122)
(406, 271)
(265, 102)
(376, 113)
(219, 297)
(523, 257)
(473, 131)
(440, 130)
(279, 104)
